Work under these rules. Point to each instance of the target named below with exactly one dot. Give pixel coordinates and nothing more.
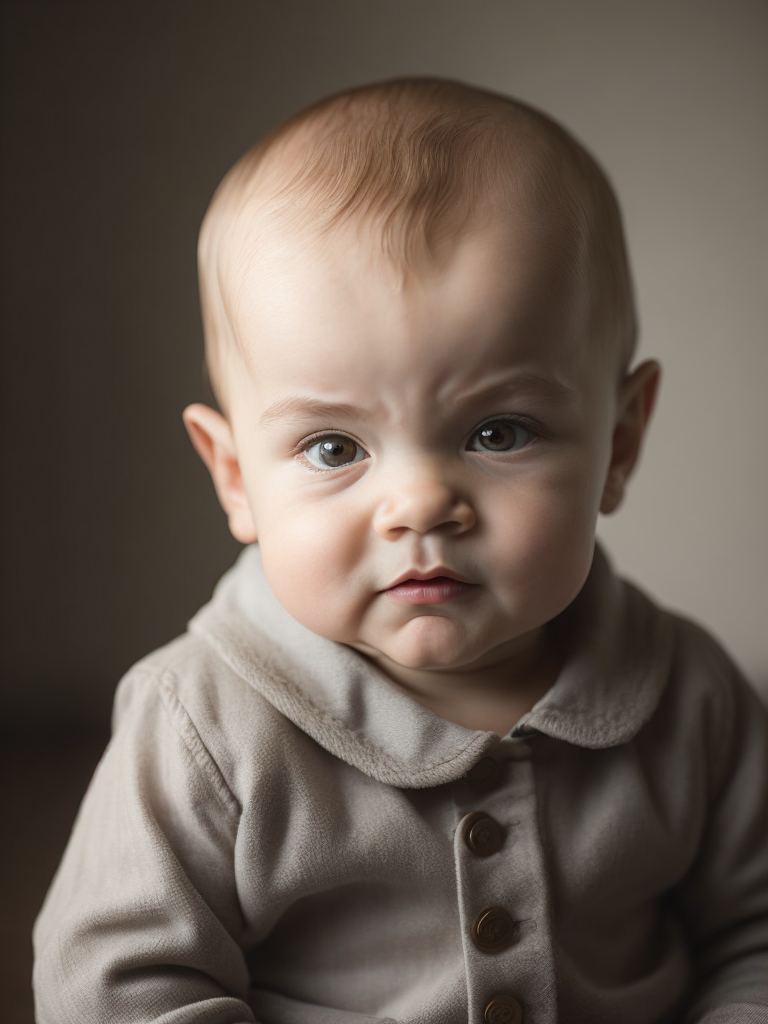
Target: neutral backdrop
(118, 121)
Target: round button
(485, 774)
(493, 930)
(503, 1010)
(482, 834)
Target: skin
(400, 374)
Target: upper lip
(430, 574)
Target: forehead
(310, 311)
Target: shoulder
(707, 704)
(704, 671)
(217, 718)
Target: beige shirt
(276, 833)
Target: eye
(500, 436)
(332, 451)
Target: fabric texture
(277, 833)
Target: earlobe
(637, 396)
(212, 438)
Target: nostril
(424, 507)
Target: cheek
(545, 543)
(310, 556)
(545, 538)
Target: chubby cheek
(545, 546)
(312, 560)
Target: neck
(492, 694)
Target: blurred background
(118, 121)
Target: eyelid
(299, 450)
(534, 428)
(307, 442)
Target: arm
(724, 901)
(142, 921)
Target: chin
(430, 642)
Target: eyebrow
(525, 384)
(299, 407)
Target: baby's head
(415, 164)
(419, 323)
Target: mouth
(434, 587)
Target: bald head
(416, 161)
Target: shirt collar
(618, 655)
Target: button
(482, 834)
(503, 1010)
(493, 930)
(485, 774)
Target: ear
(637, 395)
(212, 437)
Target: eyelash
(299, 450)
(536, 432)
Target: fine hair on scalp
(414, 159)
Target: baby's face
(423, 464)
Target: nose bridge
(422, 495)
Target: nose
(422, 501)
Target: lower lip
(434, 591)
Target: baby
(424, 758)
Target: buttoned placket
(502, 888)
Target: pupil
(498, 436)
(337, 453)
